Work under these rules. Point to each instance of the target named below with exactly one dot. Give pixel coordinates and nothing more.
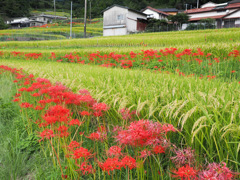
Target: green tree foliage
(14, 8)
(179, 19)
(19, 8)
(2, 24)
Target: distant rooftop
(125, 7)
(169, 10)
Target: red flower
(85, 113)
(100, 107)
(16, 100)
(75, 122)
(26, 105)
(158, 149)
(145, 153)
(114, 151)
(110, 164)
(94, 136)
(129, 161)
(73, 145)
(81, 152)
(185, 172)
(47, 134)
(86, 168)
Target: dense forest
(19, 8)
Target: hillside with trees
(20, 8)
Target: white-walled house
(154, 13)
(33, 21)
(19, 22)
(120, 20)
(225, 15)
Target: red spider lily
(57, 114)
(94, 136)
(234, 53)
(64, 176)
(233, 71)
(185, 173)
(145, 153)
(129, 162)
(85, 113)
(73, 145)
(97, 113)
(183, 156)
(46, 134)
(100, 107)
(75, 122)
(144, 133)
(26, 105)
(86, 168)
(158, 150)
(81, 152)
(53, 56)
(168, 127)
(110, 164)
(114, 151)
(16, 100)
(84, 92)
(216, 171)
(39, 108)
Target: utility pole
(71, 23)
(197, 3)
(90, 11)
(85, 19)
(186, 6)
(54, 2)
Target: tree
(179, 19)
(2, 24)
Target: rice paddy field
(56, 31)
(143, 106)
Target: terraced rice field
(144, 106)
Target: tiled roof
(156, 10)
(212, 17)
(235, 5)
(206, 9)
(234, 1)
(125, 7)
(169, 10)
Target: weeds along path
(206, 111)
(20, 155)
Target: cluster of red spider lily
(187, 63)
(45, 26)
(63, 117)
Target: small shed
(121, 20)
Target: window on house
(120, 17)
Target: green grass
(21, 157)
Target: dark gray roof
(169, 10)
(234, 1)
(125, 7)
